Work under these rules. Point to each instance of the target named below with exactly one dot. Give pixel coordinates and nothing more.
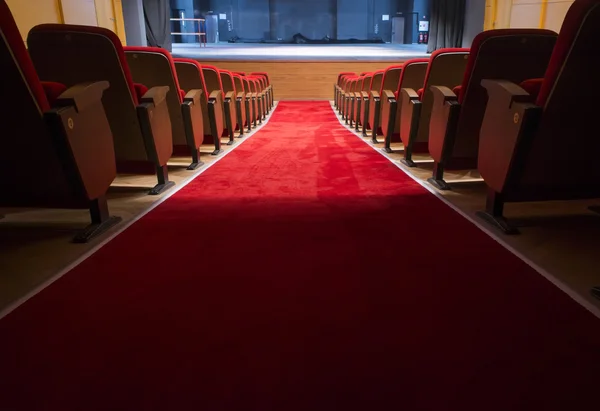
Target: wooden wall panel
(302, 80)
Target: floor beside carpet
(329, 280)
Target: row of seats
(83, 108)
(519, 106)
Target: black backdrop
(158, 25)
(447, 24)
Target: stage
(300, 52)
(301, 71)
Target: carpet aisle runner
(302, 272)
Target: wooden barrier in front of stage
(302, 80)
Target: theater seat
(545, 147)
(510, 54)
(212, 77)
(365, 116)
(412, 76)
(154, 67)
(230, 92)
(191, 77)
(251, 88)
(261, 84)
(446, 68)
(63, 132)
(355, 102)
(268, 87)
(341, 92)
(391, 77)
(337, 86)
(243, 104)
(349, 100)
(141, 128)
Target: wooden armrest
(410, 93)
(505, 92)
(214, 95)
(229, 95)
(82, 95)
(364, 94)
(374, 94)
(240, 95)
(155, 95)
(444, 92)
(193, 96)
(389, 94)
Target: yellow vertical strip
(61, 14)
(543, 12)
(119, 20)
(494, 13)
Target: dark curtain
(446, 24)
(157, 14)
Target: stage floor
(300, 52)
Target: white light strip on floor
(487, 230)
(16, 304)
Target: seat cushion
(140, 90)
(457, 90)
(532, 86)
(53, 91)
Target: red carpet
(303, 272)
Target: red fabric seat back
(228, 82)
(263, 75)
(446, 68)
(212, 78)
(511, 54)
(563, 156)
(342, 75)
(38, 181)
(152, 67)
(191, 77)
(367, 82)
(71, 55)
(391, 77)
(239, 83)
(376, 80)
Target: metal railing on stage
(201, 30)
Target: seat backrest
(564, 152)
(368, 78)
(228, 82)
(341, 76)
(391, 77)
(24, 133)
(446, 68)
(239, 83)
(241, 73)
(377, 80)
(263, 75)
(191, 77)
(510, 54)
(71, 55)
(154, 67)
(212, 78)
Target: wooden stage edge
(302, 80)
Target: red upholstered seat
(411, 77)
(155, 67)
(71, 54)
(191, 77)
(70, 152)
(53, 90)
(513, 54)
(140, 90)
(532, 86)
(545, 146)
